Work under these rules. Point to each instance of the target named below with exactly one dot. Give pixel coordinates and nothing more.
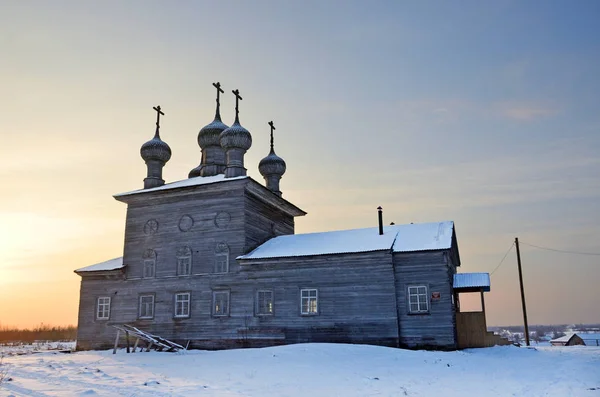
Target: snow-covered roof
(472, 280)
(400, 238)
(564, 339)
(199, 180)
(424, 236)
(112, 264)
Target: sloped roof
(199, 180)
(424, 236)
(113, 264)
(564, 339)
(472, 280)
(399, 238)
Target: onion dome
(156, 149)
(272, 165)
(209, 134)
(236, 137)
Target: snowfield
(309, 370)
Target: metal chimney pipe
(380, 214)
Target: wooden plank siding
(361, 296)
(356, 300)
(437, 327)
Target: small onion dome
(236, 137)
(209, 135)
(272, 165)
(156, 149)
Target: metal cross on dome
(272, 129)
(238, 98)
(217, 85)
(158, 113)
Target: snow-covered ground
(309, 370)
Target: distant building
(213, 260)
(567, 340)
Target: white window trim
(214, 301)
(258, 302)
(188, 301)
(417, 294)
(107, 317)
(140, 306)
(316, 298)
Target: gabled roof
(112, 264)
(399, 238)
(564, 339)
(468, 281)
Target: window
(308, 301)
(220, 303)
(184, 261)
(417, 299)
(264, 303)
(103, 309)
(182, 304)
(146, 306)
(221, 258)
(149, 263)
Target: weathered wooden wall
(436, 328)
(356, 298)
(221, 213)
(362, 296)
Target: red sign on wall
(435, 296)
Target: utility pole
(522, 291)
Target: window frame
(309, 312)
(259, 302)
(214, 303)
(417, 294)
(184, 253)
(188, 301)
(148, 257)
(221, 252)
(107, 317)
(146, 317)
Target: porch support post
(483, 308)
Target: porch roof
(471, 282)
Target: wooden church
(212, 262)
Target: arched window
(184, 261)
(149, 261)
(221, 258)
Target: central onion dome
(212, 161)
(155, 150)
(209, 134)
(236, 137)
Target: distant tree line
(41, 332)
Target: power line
(561, 251)
(503, 258)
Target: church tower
(155, 153)
(272, 167)
(235, 140)
(213, 155)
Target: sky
(484, 113)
